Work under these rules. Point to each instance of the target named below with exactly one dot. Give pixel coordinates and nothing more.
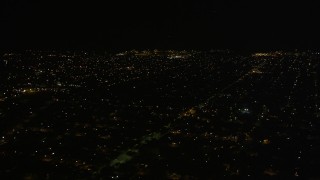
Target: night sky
(175, 24)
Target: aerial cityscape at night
(179, 90)
(158, 114)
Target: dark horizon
(159, 25)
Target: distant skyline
(159, 24)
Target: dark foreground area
(159, 115)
